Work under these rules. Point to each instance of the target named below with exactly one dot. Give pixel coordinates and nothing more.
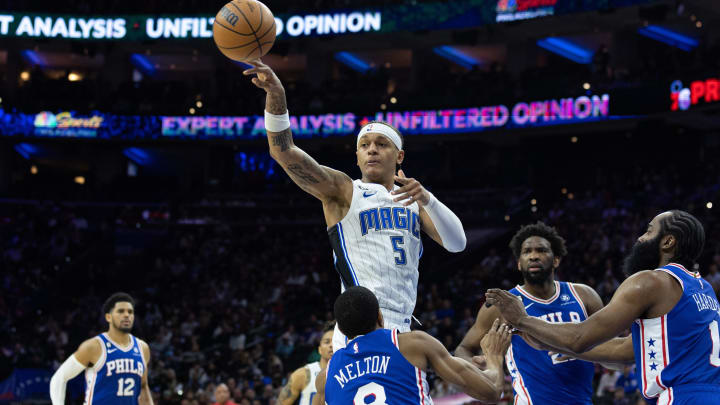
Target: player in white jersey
(374, 226)
(301, 383)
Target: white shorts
(392, 320)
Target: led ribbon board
(698, 92)
(392, 18)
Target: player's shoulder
(646, 281)
(94, 344)
(582, 288)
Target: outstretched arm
(483, 385)
(630, 301)
(320, 181)
(469, 347)
(437, 220)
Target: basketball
(244, 30)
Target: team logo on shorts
(565, 298)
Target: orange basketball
(244, 30)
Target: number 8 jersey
(371, 370)
(116, 377)
(678, 354)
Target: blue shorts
(691, 394)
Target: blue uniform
(537, 377)
(116, 377)
(371, 370)
(678, 354)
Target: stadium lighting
(352, 61)
(563, 190)
(669, 37)
(456, 56)
(192, 110)
(533, 201)
(33, 169)
(79, 180)
(24, 75)
(574, 139)
(198, 104)
(571, 196)
(586, 86)
(393, 100)
(698, 24)
(709, 205)
(507, 218)
(566, 49)
(74, 77)
(383, 107)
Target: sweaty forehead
(536, 242)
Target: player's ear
(556, 261)
(401, 156)
(380, 320)
(668, 242)
(108, 317)
(519, 267)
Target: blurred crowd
(243, 303)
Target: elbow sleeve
(68, 370)
(447, 224)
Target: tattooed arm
(297, 382)
(320, 181)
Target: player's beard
(119, 326)
(643, 256)
(539, 277)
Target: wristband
(277, 123)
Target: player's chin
(125, 329)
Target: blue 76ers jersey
(681, 347)
(538, 378)
(115, 378)
(370, 370)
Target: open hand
(410, 191)
(266, 79)
(496, 340)
(510, 305)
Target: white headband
(380, 128)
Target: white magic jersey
(307, 394)
(377, 245)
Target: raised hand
(496, 340)
(266, 79)
(510, 305)
(410, 191)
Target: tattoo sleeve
(275, 103)
(282, 140)
(285, 393)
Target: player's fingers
(259, 83)
(401, 173)
(495, 325)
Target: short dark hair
(114, 299)
(356, 311)
(689, 233)
(328, 326)
(557, 243)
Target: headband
(380, 128)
